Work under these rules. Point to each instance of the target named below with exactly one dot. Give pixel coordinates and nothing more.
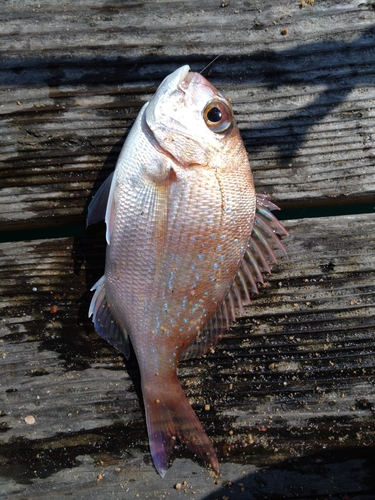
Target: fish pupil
(214, 115)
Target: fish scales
(180, 215)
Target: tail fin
(170, 416)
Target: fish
(188, 240)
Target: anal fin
(103, 321)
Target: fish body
(180, 257)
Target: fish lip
(175, 80)
(178, 80)
(168, 86)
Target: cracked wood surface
(289, 391)
(73, 78)
(293, 378)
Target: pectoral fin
(98, 205)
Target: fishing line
(209, 64)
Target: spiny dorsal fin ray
(264, 240)
(263, 208)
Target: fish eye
(218, 116)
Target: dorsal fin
(264, 240)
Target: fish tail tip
(161, 464)
(214, 462)
(160, 427)
(162, 472)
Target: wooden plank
(73, 79)
(290, 387)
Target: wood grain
(73, 79)
(287, 396)
(292, 378)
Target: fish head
(190, 120)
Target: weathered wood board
(290, 389)
(294, 378)
(74, 76)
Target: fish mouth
(182, 78)
(175, 80)
(182, 73)
(174, 88)
(184, 82)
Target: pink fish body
(187, 238)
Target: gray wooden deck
(291, 387)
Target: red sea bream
(188, 239)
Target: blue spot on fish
(170, 282)
(195, 306)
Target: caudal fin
(170, 416)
